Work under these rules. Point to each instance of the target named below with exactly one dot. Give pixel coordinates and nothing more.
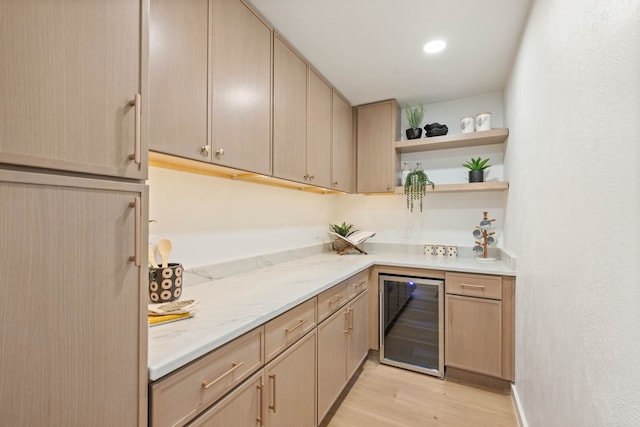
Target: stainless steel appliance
(411, 323)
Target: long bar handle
(135, 102)
(137, 205)
(273, 407)
(466, 285)
(335, 299)
(350, 318)
(234, 366)
(300, 323)
(260, 388)
(346, 321)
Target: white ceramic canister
(467, 124)
(483, 122)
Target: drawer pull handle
(273, 407)
(466, 285)
(335, 299)
(234, 366)
(300, 323)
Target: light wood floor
(384, 396)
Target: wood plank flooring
(384, 396)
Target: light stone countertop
(230, 306)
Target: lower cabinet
(479, 328)
(342, 346)
(242, 408)
(290, 381)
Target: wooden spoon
(164, 249)
(152, 257)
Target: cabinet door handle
(135, 102)
(300, 323)
(350, 318)
(335, 184)
(219, 152)
(467, 285)
(273, 407)
(346, 321)
(234, 366)
(136, 204)
(260, 388)
(204, 150)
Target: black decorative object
(414, 133)
(436, 129)
(476, 175)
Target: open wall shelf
(488, 137)
(468, 187)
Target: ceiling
(371, 50)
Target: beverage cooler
(412, 323)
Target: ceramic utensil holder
(467, 124)
(165, 284)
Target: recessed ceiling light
(434, 46)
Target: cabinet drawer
(357, 283)
(476, 285)
(287, 328)
(331, 300)
(183, 395)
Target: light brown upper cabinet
(70, 71)
(377, 129)
(319, 106)
(178, 78)
(210, 72)
(241, 88)
(342, 147)
(289, 113)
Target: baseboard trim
(517, 407)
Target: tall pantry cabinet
(73, 334)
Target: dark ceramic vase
(476, 176)
(414, 133)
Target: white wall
(449, 113)
(573, 212)
(212, 219)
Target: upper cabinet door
(342, 147)
(377, 158)
(318, 131)
(178, 96)
(241, 76)
(289, 113)
(70, 69)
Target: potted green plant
(476, 169)
(414, 118)
(416, 187)
(343, 230)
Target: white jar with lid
(483, 122)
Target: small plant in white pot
(476, 169)
(414, 118)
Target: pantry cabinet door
(178, 73)
(241, 82)
(332, 360)
(358, 333)
(342, 147)
(70, 69)
(318, 131)
(289, 113)
(73, 329)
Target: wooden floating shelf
(167, 161)
(488, 137)
(460, 188)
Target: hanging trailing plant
(416, 187)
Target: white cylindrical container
(467, 124)
(404, 172)
(483, 122)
